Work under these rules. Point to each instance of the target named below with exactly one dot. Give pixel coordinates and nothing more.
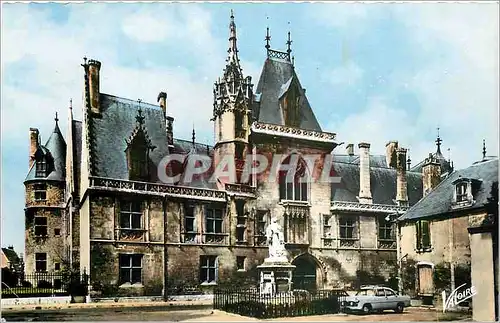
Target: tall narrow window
(214, 225)
(461, 189)
(41, 167)
(295, 189)
(385, 229)
(346, 227)
(241, 221)
(239, 130)
(40, 192)
(213, 220)
(261, 222)
(208, 269)
(130, 268)
(41, 262)
(130, 215)
(40, 226)
(423, 235)
(189, 223)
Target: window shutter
(182, 217)
(426, 239)
(418, 235)
(216, 269)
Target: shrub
(26, 283)
(44, 284)
(442, 276)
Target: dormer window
(138, 147)
(137, 154)
(463, 195)
(289, 99)
(461, 191)
(41, 168)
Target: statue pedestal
(275, 276)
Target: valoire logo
(456, 297)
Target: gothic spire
(484, 149)
(438, 142)
(233, 49)
(268, 39)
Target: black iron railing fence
(296, 303)
(43, 284)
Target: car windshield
(365, 292)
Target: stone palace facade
(94, 199)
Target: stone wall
(440, 235)
(50, 208)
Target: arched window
(298, 188)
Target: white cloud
(348, 74)
(144, 27)
(457, 90)
(340, 15)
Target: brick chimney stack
(162, 100)
(34, 142)
(401, 180)
(365, 193)
(94, 68)
(390, 153)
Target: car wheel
(399, 308)
(367, 308)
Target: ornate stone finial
(484, 149)
(408, 161)
(71, 104)
(85, 60)
(139, 117)
(193, 136)
(56, 118)
(289, 45)
(232, 14)
(268, 39)
(438, 142)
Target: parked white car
(376, 299)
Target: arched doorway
(305, 273)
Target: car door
(391, 299)
(378, 299)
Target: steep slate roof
(439, 200)
(276, 77)
(77, 153)
(117, 123)
(382, 181)
(11, 255)
(56, 149)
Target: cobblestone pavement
(208, 315)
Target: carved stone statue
(275, 240)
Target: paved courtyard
(209, 315)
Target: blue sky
(373, 72)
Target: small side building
(437, 238)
